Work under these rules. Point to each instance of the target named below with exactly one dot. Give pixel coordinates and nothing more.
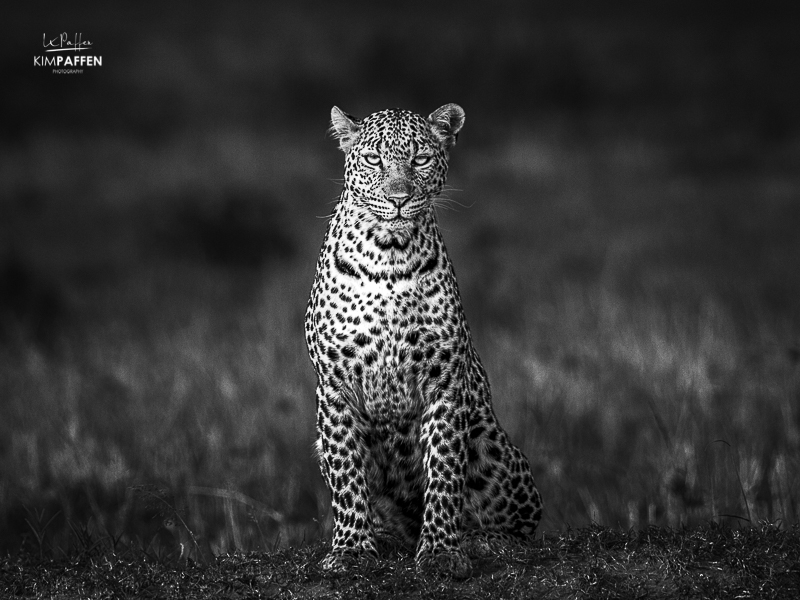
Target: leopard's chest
(385, 338)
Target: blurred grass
(624, 232)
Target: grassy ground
(707, 562)
(624, 231)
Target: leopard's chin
(392, 229)
(397, 223)
(395, 234)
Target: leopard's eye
(421, 160)
(372, 159)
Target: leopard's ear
(344, 128)
(447, 121)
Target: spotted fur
(407, 439)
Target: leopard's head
(396, 160)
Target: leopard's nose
(399, 199)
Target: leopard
(407, 441)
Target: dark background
(624, 227)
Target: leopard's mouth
(395, 221)
(393, 215)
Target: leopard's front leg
(443, 436)
(343, 460)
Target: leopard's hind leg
(501, 497)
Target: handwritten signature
(62, 43)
